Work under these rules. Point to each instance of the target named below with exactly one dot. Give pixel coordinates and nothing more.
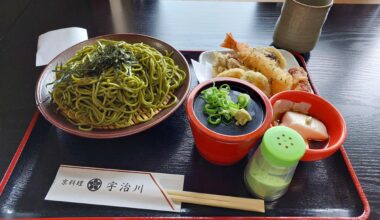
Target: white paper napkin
(203, 72)
(52, 43)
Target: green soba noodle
(113, 84)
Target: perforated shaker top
(282, 146)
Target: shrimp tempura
(257, 61)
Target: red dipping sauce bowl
(327, 114)
(227, 144)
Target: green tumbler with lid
(270, 170)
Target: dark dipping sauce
(256, 109)
(317, 145)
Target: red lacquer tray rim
(364, 200)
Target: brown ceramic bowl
(48, 110)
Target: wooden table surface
(344, 65)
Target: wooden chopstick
(256, 205)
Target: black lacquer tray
(327, 188)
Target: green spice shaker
(270, 170)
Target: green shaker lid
(282, 146)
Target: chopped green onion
(214, 119)
(209, 110)
(243, 100)
(219, 106)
